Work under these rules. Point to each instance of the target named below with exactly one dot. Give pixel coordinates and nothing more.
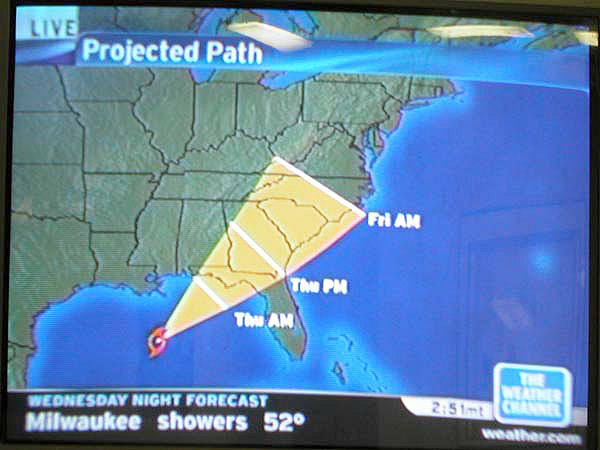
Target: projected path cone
(287, 220)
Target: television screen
(297, 227)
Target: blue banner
(532, 395)
(553, 68)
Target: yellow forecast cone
(287, 220)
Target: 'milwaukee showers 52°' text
(49, 420)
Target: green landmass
(347, 102)
(144, 18)
(158, 165)
(115, 141)
(157, 201)
(202, 225)
(97, 18)
(123, 172)
(17, 363)
(280, 300)
(211, 101)
(49, 258)
(336, 25)
(112, 251)
(114, 200)
(48, 191)
(337, 156)
(206, 186)
(38, 88)
(58, 138)
(171, 130)
(104, 83)
(237, 153)
(298, 141)
(263, 113)
(157, 230)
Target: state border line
(257, 248)
(318, 185)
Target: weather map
(294, 213)
(304, 216)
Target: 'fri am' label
(390, 220)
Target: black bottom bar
(257, 419)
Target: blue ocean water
(496, 272)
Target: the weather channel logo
(532, 395)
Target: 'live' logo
(47, 22)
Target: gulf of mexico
(97, 338)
